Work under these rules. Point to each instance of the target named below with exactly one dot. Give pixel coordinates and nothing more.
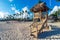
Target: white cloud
(13, 8)
(12, 5)
(3, 14)
(24, 15)
(54, 9)
(25, 8)
(10, 0)
(59, 7)
(17, 11)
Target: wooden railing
(38, 27)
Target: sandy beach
(14, 30)
(53, 34)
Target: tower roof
(40, 7)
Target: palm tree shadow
(45, 34)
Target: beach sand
(14, 30)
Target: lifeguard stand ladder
(39, 20)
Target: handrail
(31, 24)
(42, 25)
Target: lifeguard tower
(39, 20)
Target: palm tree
(26, 14)
(55, 15)
(21, 14)
(14, 14)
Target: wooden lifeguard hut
(39, 20)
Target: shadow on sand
(47, 34)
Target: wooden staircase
(37, 27)
(40, 13)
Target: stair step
(37, 27)
(34, 29)
(34, 34)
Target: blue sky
(12, 6)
